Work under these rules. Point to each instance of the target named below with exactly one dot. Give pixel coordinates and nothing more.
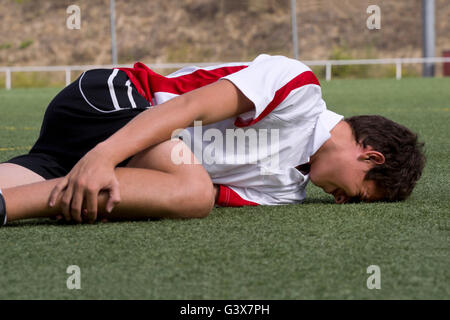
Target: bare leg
(12, 175)
(145, 193)
(175, 191)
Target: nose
(340, 198)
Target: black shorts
(83, 114)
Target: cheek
(344, 175)
(348, 179)
(336, 176)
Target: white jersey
(253, 157)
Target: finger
(56, 192)
(91, 205)
(65, 202)
(76, 203)
(114, 197)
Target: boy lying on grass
(128, 143)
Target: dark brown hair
(403, 153)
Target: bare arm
(95, 171)
(209, 104)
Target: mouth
(337, 194)
(332, 191)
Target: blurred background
(34, 33)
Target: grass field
(317, 250)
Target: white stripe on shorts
(111, 89)
(130, 94)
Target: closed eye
(357, 199)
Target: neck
(341, 134)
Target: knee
(193, 191)
(197, 201)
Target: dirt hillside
(34, 32)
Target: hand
(92, 174)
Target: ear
(372, 156)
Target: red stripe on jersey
(229, 198)
(301, 80)
(148, 82)
(189, 82)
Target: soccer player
(111, 143)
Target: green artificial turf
(317, 250)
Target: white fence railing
(328, 64)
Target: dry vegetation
(33, 32)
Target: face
(341, 174)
